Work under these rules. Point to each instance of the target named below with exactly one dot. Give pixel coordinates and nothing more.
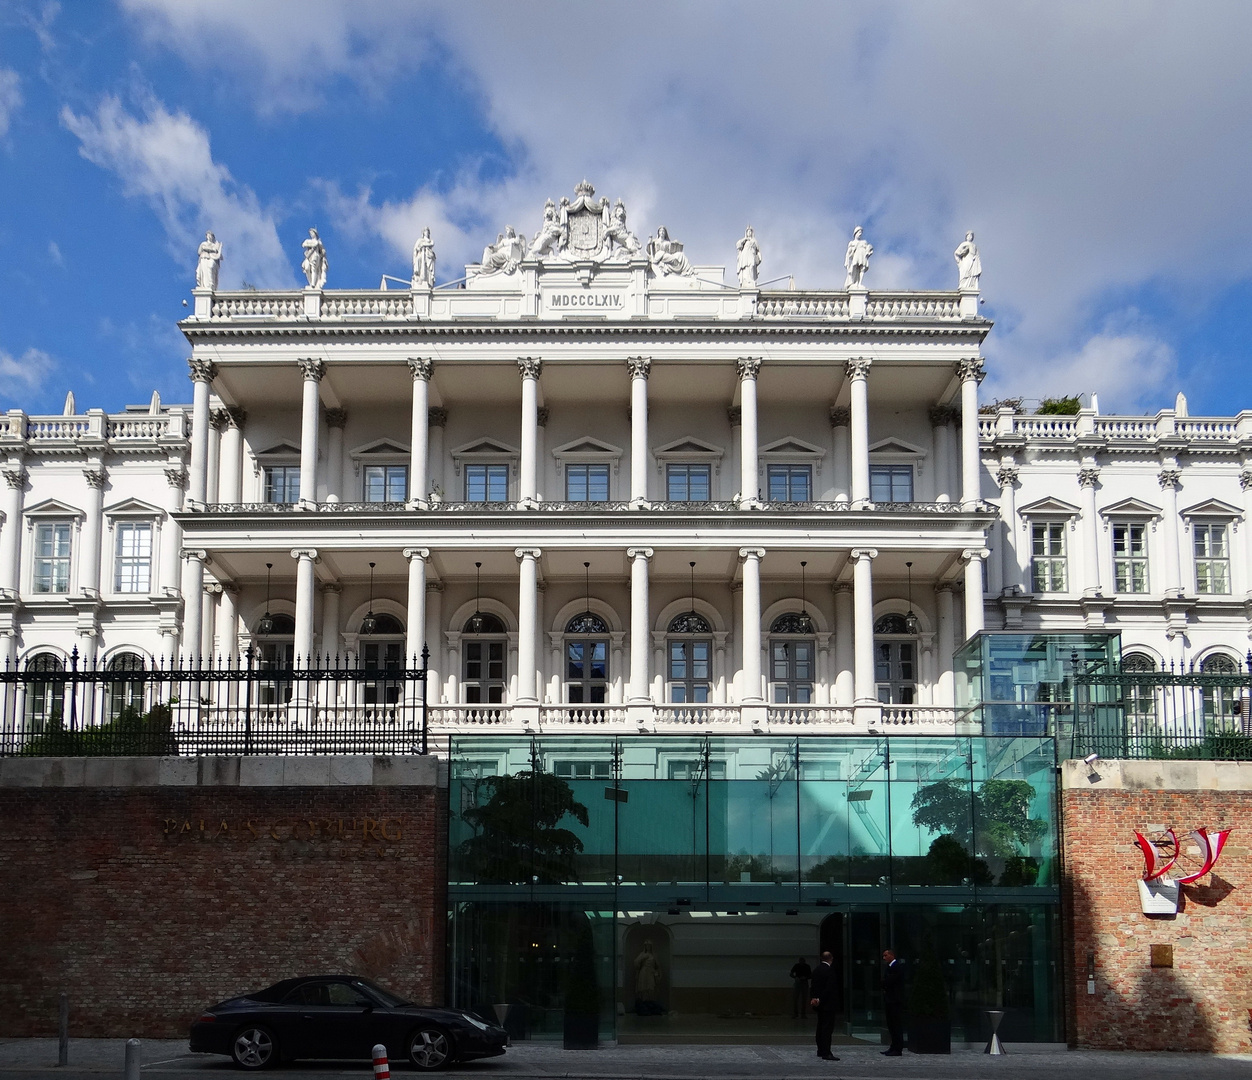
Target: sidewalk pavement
(548, 1061)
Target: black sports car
(339, 1016)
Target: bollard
(63, 1030)
(381, 1070)
(132, 1059)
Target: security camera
(1091, 759)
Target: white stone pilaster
(90, 555)
(1011, 570)
(1170, 479)
(1088, 478)
(11, 531)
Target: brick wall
(1203, 1001)
(155, 891)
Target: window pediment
(587, 449)
(688, 448)
(1131, 508)
(886, 447)
(381, 448)
(1050, 507)
(1213, 508)
(54, 508)
(485, 450)
(133, 508)
(282, 449)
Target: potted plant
(930, 1022)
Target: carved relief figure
(618, 239)
(647, 977)
(666, 256)
(424, 261)
(552, 233)
(505, 254)
(749, 259)
(210, 253)
(315, 263)
(856, 262)
(969, 265)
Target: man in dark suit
(824, 987)
(893, 999)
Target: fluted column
(527, 623)
(193, 601)
(11, 531)
(89, 554)
(858, 374)
(332, 594)
(171, 532)
(863, 624)
(1010, 543)
(1170, 479)
(639, 368)
(749, 488)
(231, 472)
(946, 642)
(312, 371)
(305, 586)
(970, 373)
(639, 625)
(415, 633)
(528, 484)
(751, 559)
(336, 421)
(1088, 478)
(840, 418)
(202, 374)
(845, 655)
(421, 368)
(974, 614)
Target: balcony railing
(557, 507)
(1114, 430)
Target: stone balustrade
(1144, 431)
(121, 431)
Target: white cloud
(10, 98)
(22, 377)
(165, 158)
(54, 253)
(1095, 149)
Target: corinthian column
(11, 532)
(530, 369)
(312, 372)
(421, 369)
(970, 373)
(748, 440)
(90, 555)
(202, 374)
(232, 456)
(639, 367)
(858, 373)
(1088, 478)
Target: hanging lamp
(806, 624)
(911, 622)
(587, 591)
(370, 623)
(266, 625)
(693, 590)
(476, 621)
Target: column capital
(945, 586)
(196, 554)
(421, 553)
(437, 417)
(838, 587)
(331, 587)
(235, 417)
(529, 367)
(857, 554)
(525, 553)
(312, 368)
(748, 366)
(735, 415)
(213, 588)
(1007, 475)
(639, 366)
(970, 368)
(15, 476)
(858, 367)
(840, 416)
(1170, 478)
(1245, 478)
(941, 415)
(204, 371)
(752, 553)
(305, 553)
(94, 478)
(175, 476)
(421, 367)
(974, 555)
(218, 419)
(639, 553)
(336, 418)
(1088, 477)
(434, 586)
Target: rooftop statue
(424, 261)
(210, 253)
(749, 259)
(315, 263)
(968, 263)
(856, 262)
(618, 239)
(666, 256)
(553, 234)
(506, 254)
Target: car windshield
(385, 996)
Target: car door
(333, 1021)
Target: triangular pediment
(1212, 508)
(896, 446)
(484, 446)
(284, 447)
(380, 446)
(1131, 508)
(135, 507)
(689, 444)
(792, 445)
(587, 445)
(53, 508)
(1050, 505)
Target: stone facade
(147, 889)
(1204, 1001)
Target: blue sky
(1102, 152)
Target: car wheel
(430, 1049)
(254, 1048)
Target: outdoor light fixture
(476, 622)
(266, 625)
(1091, 759)
(911, 623)
(587, 588)
(806, 624)
(370, 623)
(693, 587)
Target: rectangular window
(891, 483)
(587, 483)
(52, 557)
(1212, 559)
(687, 483)
(386, 483)
(282, 483)
(1047, 557)
(132, 571)
(486, 483)
(1130, 558)
(790, 483)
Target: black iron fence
(243, 705)
(1140, 711)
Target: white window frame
(1051, 511)
(897, 452)
(263, 466)
(283, 453)
(588, 451)
(1206, 523)
(1146, 558)
(486, 452)
(1064, 557)
(689, 451)
(789, 451)
(52, 512)
(132, 512)
(385, 453)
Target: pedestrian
(825, 999)
(801, 973)
(893, 1000)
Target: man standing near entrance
(825, 999)
(801, 973)
(893, 1000)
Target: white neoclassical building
(590, 473)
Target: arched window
(382, 656)
(792, 651)
(1219, 701)
(895, 661)
(689, 649)
(586, 660)
(45, 692)
(277, 652)
(126, 689)
(1139, 698)
(484, 645)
